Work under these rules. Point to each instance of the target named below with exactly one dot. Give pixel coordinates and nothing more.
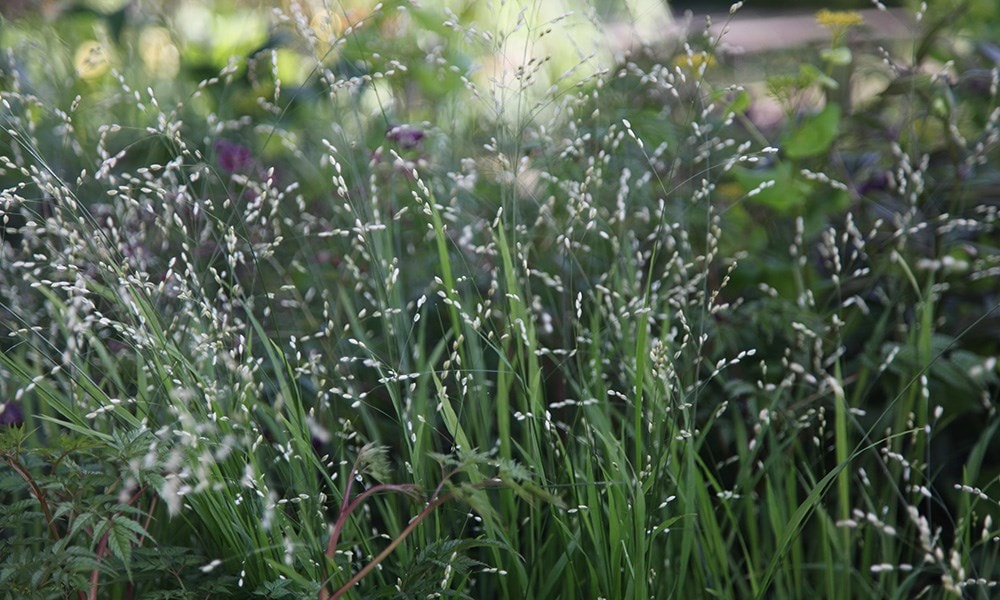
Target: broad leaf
(815, 134)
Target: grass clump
(392, 302)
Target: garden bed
(402, 300)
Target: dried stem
(413, 524)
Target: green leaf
(79, 523)
(12, 438)
(815, 135)
(739, 104)
(789, 192)
(81, 560)
(811, 75)
(120, 540)
(837, 56)
(134, 527)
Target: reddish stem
(413, 524)
(331, 546)
(36, 492)
(345, 511)
(102, 547)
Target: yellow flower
(91, 60)
(328, 27)
(839, 19)
(695, 61)
(158, 52)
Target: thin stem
(95, 575)
(436, 502)
(36, 491)
(342, 518)
(336, 528)
(149, 519)
(102, 547)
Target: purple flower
(877, 182)
(233, 157)
(11, 415)
(407, 137)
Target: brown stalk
(102, 547)
(39, 495)
(347, 506)
(36, 491)
(437, 501)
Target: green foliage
(61, 527)
(814, 135)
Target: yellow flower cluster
(839, 19)
(694, 61)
